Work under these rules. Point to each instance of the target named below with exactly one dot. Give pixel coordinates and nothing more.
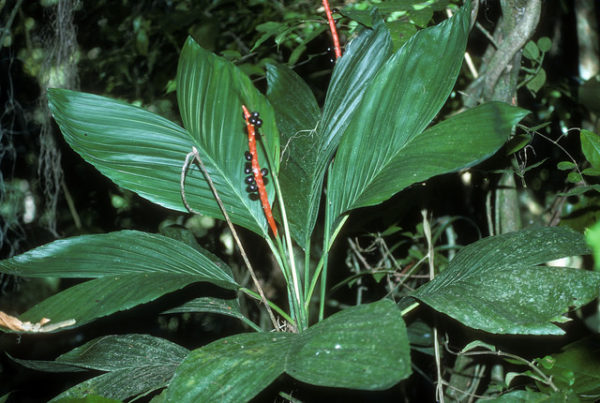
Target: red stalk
(336, 40)
(262, 192)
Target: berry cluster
(252, 187)
(255, 120)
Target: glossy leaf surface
(456, 143)
(309, 146)
(145, 153)
(402, 99)
(497, 284)
(210, 93)
(129, 268)
(297, 114)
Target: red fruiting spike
(262, 192)
(336, 40)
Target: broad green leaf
(137, 149)
(574, 177)
(364, 347)
(232, 369)
(352, 76)
(297, 114)
(121, 384)
(497, 284)
(590, 145)
(227, 307)
(456, 143)
(117, 253)
(145, 153)
(308, 147)
(399, 103)
(114, 352)
(129, 267)
(104, 296)
(210, 93)
(137, 364)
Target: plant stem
(275, 307)
(336, 40)
(298, 303)
(323, 260)
(439, 389)
(235, 236)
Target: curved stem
(336, 40)
(322, 261)
(235, 236)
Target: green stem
(306, 269)
(271, 304)
(298, 304)
(323, 260)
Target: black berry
(248, 156)
(248, 168)
(249, 180)
(254, 115)
(253, 196)
(257, 122)
(264, 172)
(252, 188)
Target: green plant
(372, 140)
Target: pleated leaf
(210, 92)
(308, 145)
(129, 267)
(364, 347)
(138, 364)
(227, 307)
(497, 284)
(456, 143)
(145, 153)
(402, 99)
(297, 114)
(137, 149)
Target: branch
(518, 37)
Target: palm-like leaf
(129, 268)
(309, 144)
(145, 153)
(400, 102)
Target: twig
(70, 203)
(336, 40)
(512, 44)
(8, 24)
(439, 388)
(231, 228)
